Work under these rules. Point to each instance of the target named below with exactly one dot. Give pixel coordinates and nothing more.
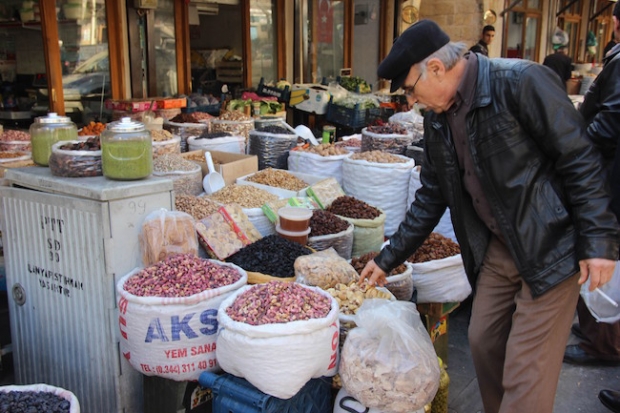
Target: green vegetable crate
(351, 117)
(283, 95)
(236, 395)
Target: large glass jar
(46, 131)
(126, 150)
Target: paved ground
(577, 390)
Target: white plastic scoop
(213, 181)
(306, 133)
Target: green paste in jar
(42, 141)
(127, 159)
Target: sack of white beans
(168, 315)
(278, 336)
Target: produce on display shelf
(194, 117)
(326, 223)
(186, 175)
(92, 128)
(435, 247)
(76, 158)
(324, 269)
(255, 306)
(351, 296)
(379, 157)
(271, 255)
(355, 84)
(355, 100)
(325, 192)
(12, 140)
(198, 207)
(180, 275)
(278, 178)
(350, 207)
(325, 149)
(245, 195)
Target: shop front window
(84, 58)
(263, 41)
(522, 28)
(164, 48)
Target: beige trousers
(517, 342)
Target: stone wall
(461, 19)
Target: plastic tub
(294, 219)
(16, 146)
(300, 237)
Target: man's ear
(616, 24)
(435, 67)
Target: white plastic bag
(315, 164)
(232, 144)
(279, 359)
(388, 362)
(45, 388)
(444, 227)
(172, 337)
(601, 303)
(559, 37)
(441, 281)
(342, 242)
(165, 233)
(382, 185)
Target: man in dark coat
(506, 150)
(482, 47)
(601, 109)
(560, 62)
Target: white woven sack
(260, 221)
(46, 388)
(441, 281)
(175, 337)
(232, 144)
(314, 164)
(382, 185)
(342, 242)
(444, 227)
(279, 359)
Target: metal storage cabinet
(66, 243)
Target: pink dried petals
(180, 275)
(278, 302)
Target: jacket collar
(482, 95)
(611, 54)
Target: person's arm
(559, 131)
(604, 127)
(420, 220)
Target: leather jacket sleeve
(601, 108)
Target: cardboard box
(230, 165)
(437, 309)
(310, 97)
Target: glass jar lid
(126, 124)
(52, 117)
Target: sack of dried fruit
(437, 271)
(388, 361)
(168, 315)
(278, 335)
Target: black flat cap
(419, 41)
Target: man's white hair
(449, 55)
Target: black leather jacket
(601, 110)
(540, 174)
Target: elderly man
(506, 151)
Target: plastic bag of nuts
(165, 233)
(267, 353)
(165, 142)
(331, 231)
(181, 286)
(388, 361)
(324, 269)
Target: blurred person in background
(482, 47)
(560, 62)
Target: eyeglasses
(410, 90)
